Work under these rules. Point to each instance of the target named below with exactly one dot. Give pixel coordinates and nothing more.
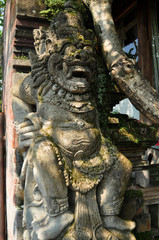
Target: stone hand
(26, 132)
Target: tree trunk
(123, 69)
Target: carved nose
(81, 55)
(77, 56)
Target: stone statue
(74, 179)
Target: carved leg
(48, 176)
(81, 228)
(110, 195)
(88, 224)
(99, 232)
(50, 211)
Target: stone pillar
(21, 17)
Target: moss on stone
(129, 130)
(133, 194)
(54, 7)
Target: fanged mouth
(78, 73)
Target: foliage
(23, 57)
(55, 6)
(131, 131)
(133, 194)
(52, 8)
(104, 90)
(2, 6)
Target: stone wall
(21, 17)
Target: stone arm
(123, 69)
(23, 105)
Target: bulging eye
(88, 49)
(48, 45)
(69, 50)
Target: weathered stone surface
(29, 8)
(18, 228)
(57, 125)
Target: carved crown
(67, 26)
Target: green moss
(133, 194)
(54, 7)
(88, 42)
(40, 98)
(71, 54)
(105, 90)
(129, 136)
(21, 57)
(81, 37)
(131, 131)
(70, 39)
(73, 13)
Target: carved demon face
(73, 65)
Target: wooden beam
(145, 43)
(144, 38)
(125, 11)
(2, 181)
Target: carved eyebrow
(67, 44)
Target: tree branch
(122, 69)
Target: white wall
(126, 107)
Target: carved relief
(74, 179)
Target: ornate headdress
(66, 26)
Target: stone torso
(72, 125)
(60, 83)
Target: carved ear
(48, 45)
(37, 34)
(39, 40)
(33, 57)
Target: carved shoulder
(26, 91)
(23, 99)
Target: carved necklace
(54, 94)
